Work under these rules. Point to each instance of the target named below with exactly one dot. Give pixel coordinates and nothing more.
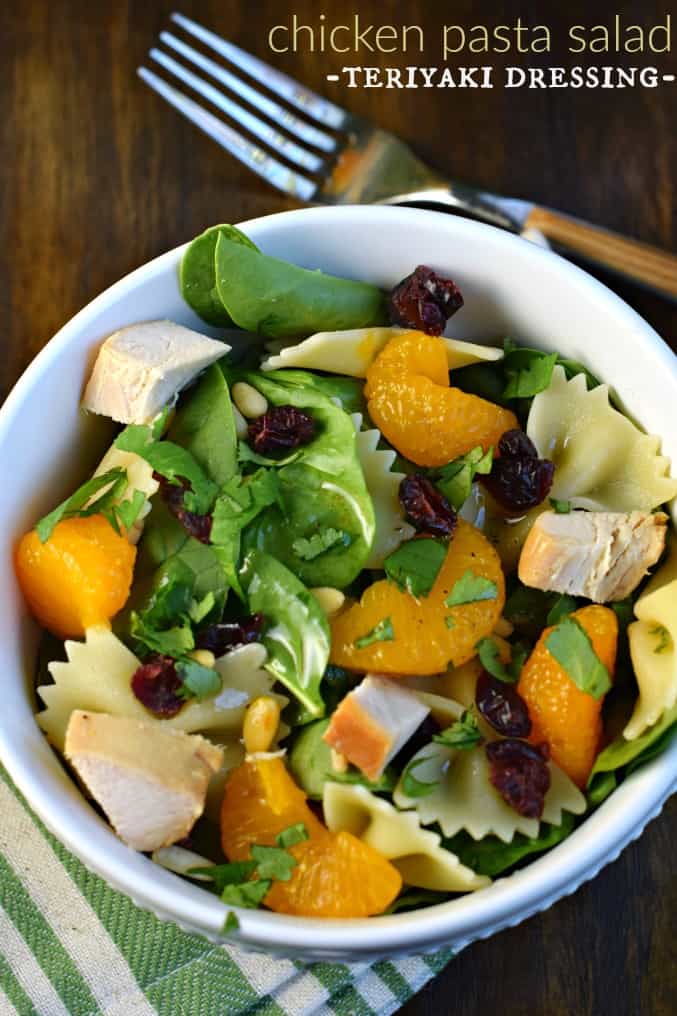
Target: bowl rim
(508, 900)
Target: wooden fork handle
(638, 261)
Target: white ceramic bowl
(511, 287)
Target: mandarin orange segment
(80, 577)
(410, 401)
(336, 874)
(337, 877)
(561, 714)
(427, 634)
(260, 800)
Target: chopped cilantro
(490, 658)
(197, 680)
(561, 507)
(463, 734)
(174, 641)
(292, 835)
(471, 588)
(231, 923)
(112, 483)
(570, 645)
(231, 873)
(240, 501)
(416, 564)
(273, 862)
(414, 787)
(198, 609)
(455, 479)
(173, 462)
(165, 625)
(382, 632)
(310, 548)
(246, 894)
(126, 512)
(450, 622)
(663, 638)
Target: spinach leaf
(277, 299)
(297, 635)
(322, 489)
(172, 462)
(205, 427)
(346, 390)
(528, 371)
(168, 554)
(491, 856)
(113, 484)
(633, 754)
(238, 504)
(416, 899)
(197, 273)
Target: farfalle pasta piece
(464, 797)
(653, 647)
(398, 836)
(383, 487)
(603, 461)
(352, 352)
(97, 678)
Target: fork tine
(308, 102)
(251, 155)
(284, 117)
(264, 132)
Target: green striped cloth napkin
(70, 946)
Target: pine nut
(261, 721)
(250, 402)
(331, 600)
(204, 657)
(240, 424)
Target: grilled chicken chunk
(600, 555)
(150, 782)
(142, 367)
(373, 722)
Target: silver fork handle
(638, 261)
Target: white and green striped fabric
(71, 946)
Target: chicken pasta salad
(352, 616)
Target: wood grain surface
(97, 176)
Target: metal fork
(334, 157)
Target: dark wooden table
(97, 176)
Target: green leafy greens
(381, 632)
(570, 645)
(84, 502)
(455, 479)
(297, 637)
(275, 298)
(172, 462)
(489, 654)
(471, 588)
(491, 856)
(462, 735)
(415, 565)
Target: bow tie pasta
(464, 797)
(603, 461)
(652, 646)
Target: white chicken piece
(373, 722)
(600, 555)
(142, 367)
(150, 782)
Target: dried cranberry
(424, 300)
(519, 480)
(156, 685)
(199, 526)
(520, 774)
(280, 429)
(502, 706)
(426, 507)
(221, 638)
